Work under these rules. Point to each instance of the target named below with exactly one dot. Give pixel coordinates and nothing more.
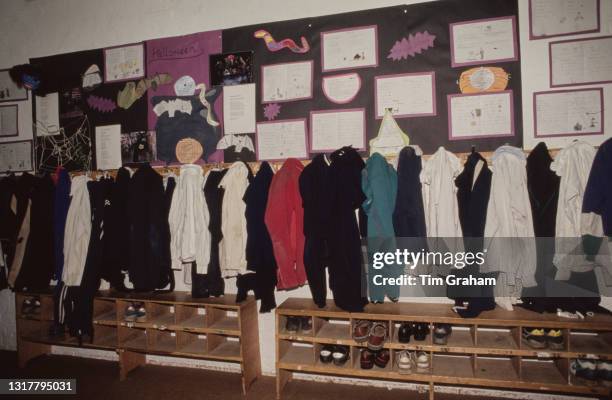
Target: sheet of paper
(481, 115)
(483, 41)
(16, 156)
(341, 89)
(406, 95)
(330, 130)
(108, 147)
(279, 140)
(124, 63)
(9, 91)
(8, 120)
(581, 62)
(349, 48)
(563, 113)
(47, 115)
(286, 82)
(563, 17)
(239, 109)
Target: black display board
(393, 24)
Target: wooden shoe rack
(176, 325)
(487, 351)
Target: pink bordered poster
(549, 18)
(342, 88)
(332, 129)
(286, 81)
(480, 115)
(349, 48)
(568, 112)
(282, 139)
(123, 63)
(490, 40)
(406, 95)
(580, 61)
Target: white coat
(232, 248)
(190, 237)
(77, 232)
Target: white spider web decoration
(58, 149)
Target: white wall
(35, 28)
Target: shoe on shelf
(361, 330)
(340, 355)
(441, 333)
(292, 324)
(421, 360)
(404, 332)
(404, 363)
(604, 371)
(535, 338)
(325, 355)
(585, 369)
(130, 313)
(36, 306)
(306, 325)
(378, 335)
(382, 358)
(366, 359)
(27, 307)
(554, 338)
(141, 314)
(420, 331)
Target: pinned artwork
(73, 152)
(188, 151)
(133, 91)
(231, 68)
(271, 111)
(483, 79)
(91, 78)
(390, 139)
(273, 45)
(184, 86)
(9, 91)
(123, 63)
(341, 89)
(101, 104)
(138, 147)
(411, 46)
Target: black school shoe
(293, 324)
(404, 332)
(585, 369)
(325, 355)
(420, 331)
(340, 355)
(441, 333)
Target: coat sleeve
(175, 224)
(277, 219)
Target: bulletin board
(421, 21)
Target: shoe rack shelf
(175, 325)
(487, 351)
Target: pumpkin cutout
(483, 79)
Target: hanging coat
(78, 232)
(285, 222)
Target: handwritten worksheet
(108, 147)
(286, 82)
(239, 109)
(124, 63)
(341, 89)
(349, 48)
(9, 125)
(332, 129)
(16, 156)
(568, 112)
(480, 115)
(482, 41)
(581, 61)
(279, 140)
(563, 17)
(406, 95)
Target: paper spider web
(62, 150)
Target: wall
(34, 28)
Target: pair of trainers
(368, 358)
(30, 307)
(374, 333)
(339, 355)
(412, 361)
(593, 370)
(407, 329)
(299, 324)
(539, 338)
(135, 312)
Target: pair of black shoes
(339, 355)
(299, 324)
(407, 329)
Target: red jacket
(285, 221)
